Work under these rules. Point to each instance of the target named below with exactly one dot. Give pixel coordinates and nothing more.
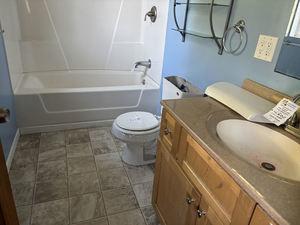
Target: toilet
(139, 130)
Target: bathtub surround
(198, 62)
(12, 36)
(71, 52)
(91, 35)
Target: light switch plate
(265, 48)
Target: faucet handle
(293, 124)
(152, 14)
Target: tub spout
(146, 64)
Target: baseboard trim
(65, 126)
(12, 150)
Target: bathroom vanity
(199, 181)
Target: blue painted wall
(198, 61)
(7, 130)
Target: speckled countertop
(200, 115)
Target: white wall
(91, 34)
(10, 23)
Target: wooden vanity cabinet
(222, 194)
(174, 197)
(191, 188)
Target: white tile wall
(91, 34)
(10, 23)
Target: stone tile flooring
(77, 177)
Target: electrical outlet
(265, 48)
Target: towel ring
(239, 28)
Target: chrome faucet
(146, 64)
(293, 124)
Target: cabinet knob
(201, 212)
(167, 131)
(189, 200)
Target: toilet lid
(137, 121)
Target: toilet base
(139, 154)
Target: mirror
(288, 60)
(293, 29)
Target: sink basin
(262, 147)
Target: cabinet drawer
(220, 190)
(167, 130)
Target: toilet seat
(131, 125)
(137, 121)
(136, 133)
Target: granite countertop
(199, 115)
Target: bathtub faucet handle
(152, 14)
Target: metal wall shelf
(201, 3)
(197, 34)
(212, 35)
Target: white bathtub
(61, 100)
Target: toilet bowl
(139, 131)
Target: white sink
(262, 147)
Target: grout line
(131, 184)
(56, 35)
(98, 178)
(67, 171)
(98, 173)
(35, 180)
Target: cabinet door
(206, 215)
(174, 197)
(261, 218)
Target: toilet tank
(175, 87)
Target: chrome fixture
(146, 64)
(268, 166)
(293, 124)
(189, 200)
(4, 115)
(240, 29)
(200, 212)
(152, 14)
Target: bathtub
(49, 101)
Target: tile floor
(77, 177)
